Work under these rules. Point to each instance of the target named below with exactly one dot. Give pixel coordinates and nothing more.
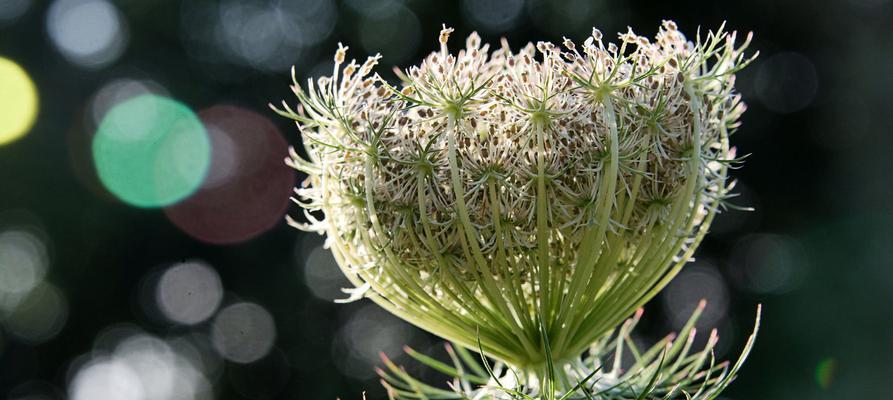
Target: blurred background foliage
(118, 285)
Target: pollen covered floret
(505, 198)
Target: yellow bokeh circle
(18, 101)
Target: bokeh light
(247, 186)
(11, 10)
(118, 91)
(189, 293)
(267, 36)
(369, 332)
(786, 82)
(825, 372)
(79, 137)
(243, 332)
(151, 151)
(396, 35)
(196, 347)
(307, 21)
(88, 33)
(251, 36)
(107, 380)
(165, 375)
(32, 311)
(23, 264)
(138, 366)
(494, 16)
(696, 282)
(320, 271)
(40, 316)
(18, 101)
(108, 339)
(768, 263)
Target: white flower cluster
(510, 198)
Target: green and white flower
(524, 203)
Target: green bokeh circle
(151, 151)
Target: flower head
(525, 201)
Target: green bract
(670, 369)
(527, 202)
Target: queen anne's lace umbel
(499, 198)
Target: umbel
(524, 204)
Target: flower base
(667, 370)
